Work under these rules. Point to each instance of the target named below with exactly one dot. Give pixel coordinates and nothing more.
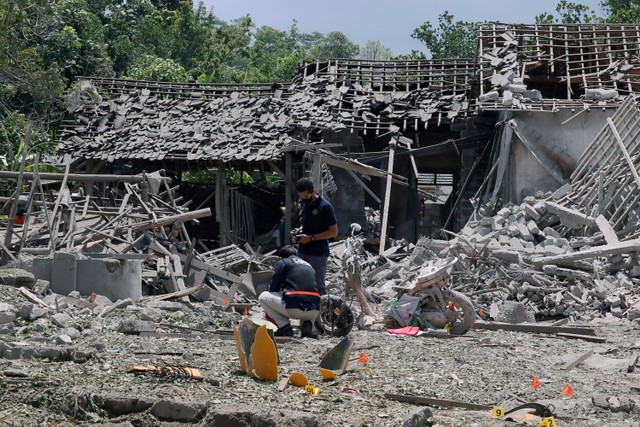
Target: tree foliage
(450, 39)
(335, 45)
(568, 13)
(375, 50)
(46, 44)
(622, 11)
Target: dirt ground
(482, 367)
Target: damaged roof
(156, 121)
(550, 66)
(518, 67)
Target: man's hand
(304, 238)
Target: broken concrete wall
(115, 279)
(553, 143)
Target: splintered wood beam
(625, 153)
(387, 198)
(437, 402)
(569, 366)
(582, 337)
(14, 207)
(78, 177)
(598, 251)
(535, 328)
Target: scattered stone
(63, 340)
(614, 404)
(122, 405)
(63, 320)
(135, 326)
(168, 410)
(600, 400)
(7, 317)
(419, 417)
(17, 277)
(514, 312)
(101, 300)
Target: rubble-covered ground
(68, 365)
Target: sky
(389, 21)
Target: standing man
(319, 224)
(292, 294)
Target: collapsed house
(526, 154)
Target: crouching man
(293, 294)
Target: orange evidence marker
(224, 301)
(363, 358)
(567, 391)
(246, 311)
(535, 383)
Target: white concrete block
(533, 227)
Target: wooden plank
(176, 274)
(534, 327)
(8, 252)
(178, 294)
(218, 272)
(598, 251)
(14, 206)
(589, 338)
(569, 366)
(78, 177)
(232, 292)
(32, 297)
(608, 232)
(387, 198)
(625, 153)
(437, 402)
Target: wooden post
(221, 208)
(387, 197)
(316, 172)
(32, 193)
(14, 208)
(288, 168)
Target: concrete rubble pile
(506, 82)
(525, 253)
(124, 243)
(509, 63)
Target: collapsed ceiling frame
(567, 63)
(606, 182)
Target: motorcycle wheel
(465, 315)
(335, 318)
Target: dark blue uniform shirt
(316, 218)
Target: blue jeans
(319, 264)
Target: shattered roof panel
(380, 94)
(522, 66)
(156, 120)
(607, 179)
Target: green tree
(335, 45)
(622, 11)
(568, 13)
(415, 54)
(375, 50)
(149, 67)
(449, 39)
(275, 55)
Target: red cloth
(410, 331)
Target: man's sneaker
(307, 330)
(284, 331)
